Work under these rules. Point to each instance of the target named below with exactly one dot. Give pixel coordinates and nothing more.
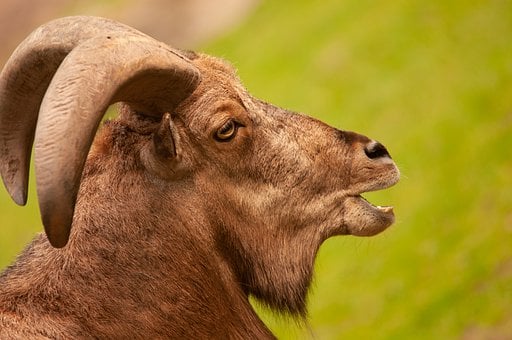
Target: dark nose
(374, 150)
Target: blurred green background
(433, 82)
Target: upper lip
(377, 186)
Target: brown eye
(227, 131)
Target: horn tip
(17, 191)
(19, 197)
(57, 240)
(57, 227)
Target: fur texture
(171, 245)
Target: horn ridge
(23, 83)
(147, 74)
(60, 80)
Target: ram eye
(227, 131)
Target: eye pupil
(227, 131)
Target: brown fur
(161, 250)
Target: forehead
(219, 85)
(216, 71)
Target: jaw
(361, 218)
(364, 219)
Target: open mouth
(377, 209)
(362, 218)
(385, 212)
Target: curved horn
(98, 72)
(94, 75)
(23, 82)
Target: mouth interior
(382, 209)
(378, 209)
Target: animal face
(281, 169)
(275, 184)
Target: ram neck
(126, 272)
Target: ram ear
(163, 154)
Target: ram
(196, 197)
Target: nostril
(376, 150)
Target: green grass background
(432, 80)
